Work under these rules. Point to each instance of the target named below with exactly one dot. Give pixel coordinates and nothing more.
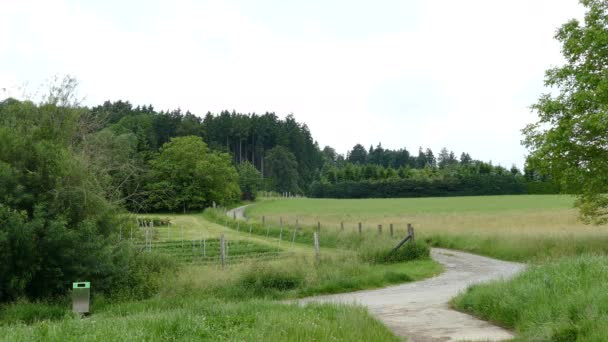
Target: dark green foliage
(475, 185)
(250, 181)
(56, 223)
(187, 176)
(281, 169)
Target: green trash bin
(81, 295)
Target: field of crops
(208, 250)
(521, 227)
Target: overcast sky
(431, 73)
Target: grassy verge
(564, 300)
(200, 300)
(517, 228)
(208, 319)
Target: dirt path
(419, 310)
(239, 212)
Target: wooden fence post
(280, 229)
(410, 232)
(318, 226)
(341, 225)
(222, 251)
(234, 214)
(359, 228)
(317, 257)
(379, 229)
(391, 228)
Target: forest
(289, 160)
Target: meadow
(198, 299)
(517, 228)
(560, 297)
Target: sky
(406, 73)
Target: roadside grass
(516, 228)
(563, 300)
(200, 300)
(193, 318)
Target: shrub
(263, 279)
(407, 252)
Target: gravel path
(419, 310)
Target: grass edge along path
(514, 228)
(563, 300)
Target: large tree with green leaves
(281, 170)
(250, 180)
(56, 223)
(570, 139)
(187, 176)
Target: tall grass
(565, 300)
(370, 246)
(192, 318)
(518, 228)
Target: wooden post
(318, 226)
(341, 225)
(391, 227)
(379, 229)
(410, 232)
(250, 229)
(317, 257)
(293, 239)
(281, 230)
(168, 231)
(205, 248)
(234, 214)
(222, 251)
(238, 226)
(263, 221)
(131, 233)
(182, 237)
(360, 228)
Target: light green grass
(202, 301)
(194, 319)
(519, 228)
(565, 300)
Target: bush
(266, 278)
(407, 252)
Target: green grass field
(562, 297)
(200, 300)
(520, 228)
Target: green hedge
(476, 185)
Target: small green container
(81, 296)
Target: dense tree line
(386, 173)
(250, 138)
